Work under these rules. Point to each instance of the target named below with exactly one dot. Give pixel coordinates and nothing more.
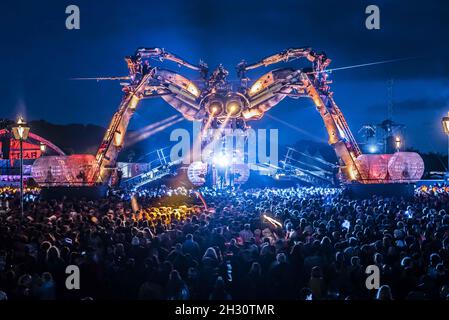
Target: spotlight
(215, 107)
(372, 148)
(221, 160)
(233, 107)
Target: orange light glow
(193, 89)
(133, 103)
(250, 113)
(233, 107)
(215, 107)
(256, 87)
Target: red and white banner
(30, 151)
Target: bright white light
(372, 149)
(221, 160)
(408, 214)
(342, 134)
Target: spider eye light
(215, 107)
(233, 107)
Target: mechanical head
(224, 105)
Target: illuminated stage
(221, 106)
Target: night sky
(39, 56)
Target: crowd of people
(297, 243)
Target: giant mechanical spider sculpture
(215, 98)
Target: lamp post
(398, 143)
(445, 122)
(20, 132)
(43, 147)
